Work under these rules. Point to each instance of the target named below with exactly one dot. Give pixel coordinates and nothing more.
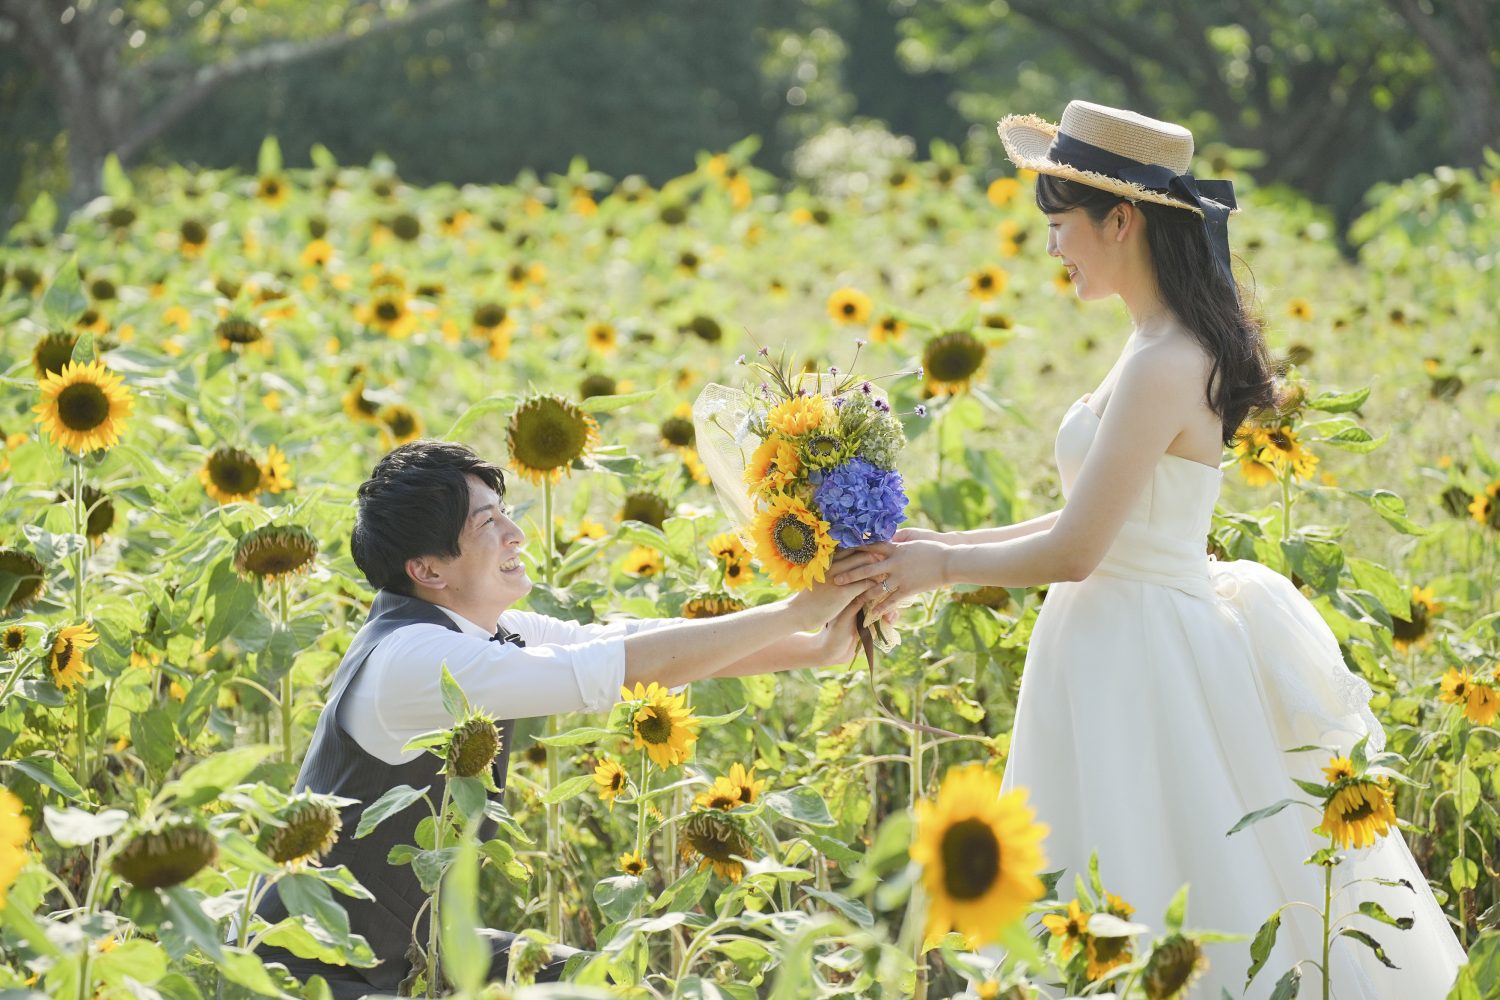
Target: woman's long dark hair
(1242, 378)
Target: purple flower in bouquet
(861, 502)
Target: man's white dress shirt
(564, 667)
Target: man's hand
(839, 641)
(821, 603)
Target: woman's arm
(979, 536)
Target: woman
(1162, 688)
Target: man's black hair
(414, 504)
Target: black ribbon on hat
(1214, 198)
(502, 634)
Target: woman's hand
(904, 570)
(922, 535)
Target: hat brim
(1027, 139)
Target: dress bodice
(1164, 538)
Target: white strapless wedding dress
(1158, 699)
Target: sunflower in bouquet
(807, 463)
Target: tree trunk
(1460, 44)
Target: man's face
(487, 571)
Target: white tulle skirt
(1153, 715)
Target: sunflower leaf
(618, 895)
(1339, 402)
(455, 702)
(1255, 817)
(392, 802)
(63, 301)
(1177, 910)
(1288, 985)
(577, 737)
(1260, 948)
(606, 404)
(1370, 943)
(572, 788)
(1375, 911)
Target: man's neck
(484, 617)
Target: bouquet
(806, 464)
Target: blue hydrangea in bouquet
(806, 463)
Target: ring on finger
(885, 585)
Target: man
(433, 537)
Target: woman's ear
(1123, 218)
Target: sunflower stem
(1286, 518)
(286, 678)
(914, 902)
(79, 529)
(1327, 907)
(440, 835)
(1458, 807)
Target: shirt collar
(465, 626)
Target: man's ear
(424, 573)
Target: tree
(125, 71)
(1460, 35)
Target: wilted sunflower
(99, 511)
(986, 283)
(773, 465)
(547, 434)
(602, 337)
(645, 507)
(733, 556)
(83, 407)
(53, 351)
(406, 227)
(238, 331)
(631, 863)
(995, 598)
(599, 384)
(30, 575)
(13, 640)
(664, 726)
(711, 606)
(705, 328)
(1407, 632)
(231, 474)
(67, 663)
(1359, 811)
(980, 852)
(849, 305)
(715, 841)
(400, 424)
(610, 781)
(272, 551)
(473, 746)
(168, 854)
(310, 825)
(1174, 963)
(643, 561)
(792, 543)
(951, 361)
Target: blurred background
(1327, 97)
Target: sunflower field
(200, 367)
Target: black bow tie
(502, 635)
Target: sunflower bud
(473, 748)
(311, 827)
(1171, 967)
(165, 855)
(275, 550)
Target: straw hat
(1119, 151)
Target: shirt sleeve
(398, 693)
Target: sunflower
(271, 189)
(1300, 309)
(400, 424)
(360, 407)
(192, 236)
(746, 782)
(986, 283)
(1288, 453)
(1109, 952)
(599, 384)
(491, 319)
(231, 474)
(602, 337)
(1174, 963)
(13, 640)
(473, 746)
(1071, 926)
(390, 313)
(711, 606)
(663, 726)
(317, 253)
(1002, 191)
(951, 361)
(723, 795)
(799, 415)
(631, 863)
(164, 855)
(1408, 631)
(30, 575)
(792, 543)
(66, 661)
(887, 329)
(53, 351)
(273, 551)
(610, 781)
(643, 561)
(1486, 506)
(773, 465)
(678, 432)
(1338, 767)
(309, 826)
(276, 473)
(715, 841)
(1250, 445)
(1483, 703)
(1358, 812)
(547, 434)
(15, 834)
(980, 852)
(83, 407)
(238, 331)
(99, 511)
(849, 305)
(733, 556)
(645, 507)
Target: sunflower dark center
(234, 472)
(971, 859)
(795, 540)
(82, 406)
(489, 316)
(848, 308)
(654, 727)
(955, 358)
(986, 281)
(193, 231)
(1280, 441)
(402, 423)
(14, 639)
(387, 311)
(1362, 810)
(64, 656)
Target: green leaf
(1176, 909)
(430, 866)
(618, 895)
(50, 772)
(801, 804)
(1463, 873)
(1288, 985)
(607, 404)
(1391, 508)
(1480, 974)
(209, 778)
(684, 893)
(571, 788)
(469, 796)
(138, 959)
(154, 738)
(1368, 942)
(269, 160)
(186, 925)
(392, 802)
(465, 956)
(230, 601)
(1355, 439)
(303, 894)
(1467, 790)
(1375, 911)
(1260, 948)
(306, 938)
(1383, 584)
(246, 969)
(117, 186)
(72, 827)
(483, 408)
(455, 702)
(577, 737)
(1266, 813)
(63, 301)
(856, 911)
(1339, 402)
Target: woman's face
(1086, 250)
